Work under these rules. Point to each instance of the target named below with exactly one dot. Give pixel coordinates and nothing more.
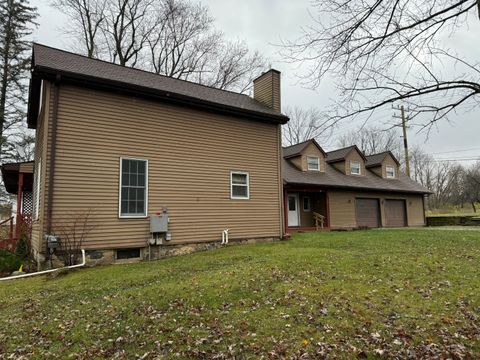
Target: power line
(454, 151)
(466, 159)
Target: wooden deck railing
(10, 232)
(319, 220)
(7, 236)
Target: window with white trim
(133, 197)
(390, 171)
(355, 167)
(313, 163)
(36, 195)
(306, 203)
(239, 185)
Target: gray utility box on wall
(159, 223)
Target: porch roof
(10, 176)
(332, 178)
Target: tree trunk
(5, 72)
(474, 208)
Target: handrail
(7, 220)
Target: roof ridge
(380, 153)
(346, 147)
(300, 143)
(140, 70)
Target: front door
(292, 209)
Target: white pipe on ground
(47, 271)
(225, 236)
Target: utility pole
(405, 141)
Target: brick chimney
(266, 89)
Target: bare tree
(373, 140)
(86, 18)
(305, 124)
(182, 39)
(443, 178)
(127, 26)
(233, 67)
(176, 38)
(388, 51)
(472, 185)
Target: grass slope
(368, 293)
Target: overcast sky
(263, 23)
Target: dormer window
(390, 172)
(313, 163)
(355, 168)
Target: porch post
(19, 204)
(285, 209)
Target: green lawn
(369, 294)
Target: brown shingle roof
(50, 61)
(335, 179)
(340, 154)
(377, 159)
(295, 150)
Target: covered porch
(306, 209)
(18, 180)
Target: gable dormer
(384, 164)
(306, 156)
(349, 160)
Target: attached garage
(367, 213)
(395, 213)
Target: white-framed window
(37, 175)
(133, 189)
(239, 185)
(313, 163)
(306, 203)
(390, 171)
(355, 167)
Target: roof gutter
(353, 188)
(117, 86)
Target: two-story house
(124, 144)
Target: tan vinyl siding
(41, 139)
(26, 168)
(276, 92)
(378, 170)
(297, 162)
(312, 150)
(388, 161)
(301, 161)
(267, 90)
(190, 154)
(340, 166)
(342, 207)
(354, 156)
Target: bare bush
(72, 230)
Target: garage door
(368, 214)
(395, 214)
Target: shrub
(72, 229)
(9, 261)
(23, 249)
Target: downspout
(53, 151)
(47, 271)
(281, 199)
